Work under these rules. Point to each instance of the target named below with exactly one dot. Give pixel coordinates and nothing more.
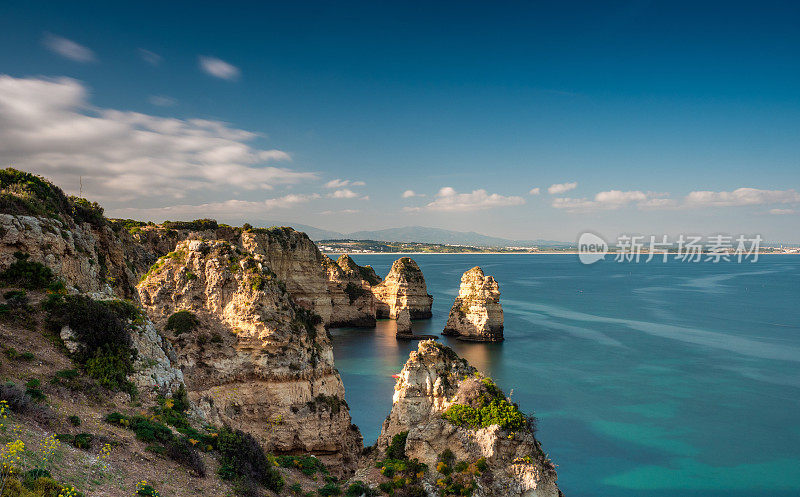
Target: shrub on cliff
(397, 448)
(84, 211)
(26, 193)
(196, 225)
(243, 458)
(182, 322)
(491, 408)
(27, 274)
(105, 347)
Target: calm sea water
(677, 379)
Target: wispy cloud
(151, 58)
(559, 188)
(535, 191)
(345, 193)
(233, 208)
(449, 200)
(781, 212)
(219, 68)
(67, 48)
(342, 211)
(412, 194)
(610, 200)
(615, 199)
(340, 183)
(162, 100)
(741, 196)
(48, 126)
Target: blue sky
(670, 117)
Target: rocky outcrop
(476, 314)
(253, 358)
(88, 258)
(403, 323)
(350, 293)
(403, 288)
(433, 386)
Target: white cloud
(611, 200)
(49, 127)
(219, 68)
(535, 191)
(162, 100)
(781, 212)
(741, 196)
(151, 58)
(233, 208)
(449, 200)
(412, 194)
(342, 211)
(67, 48)
(340, 183)
(347, 193)
(615, 199)
(561, 188)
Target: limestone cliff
(403, 288)
(476, 314)
(350, 293)
(438, 401)
(89, 258)
(252, 357)
(312, 279)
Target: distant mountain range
(422, 234)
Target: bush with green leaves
(27, 274)
(308, 465)
(105, 347)
(242, 457)
(491, 408)
(196, 225)
(397, 447)
(182, 322)
(26, 193)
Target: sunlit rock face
(476, 314)
(403, 288)
(433, 379)
(255, 359)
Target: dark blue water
(677, 379)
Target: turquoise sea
(676, 379)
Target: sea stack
(403, 323)
(476, 314)
(403, 288)
(434, 413)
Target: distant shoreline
(643, 254)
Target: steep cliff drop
(251, 357)
(404, 287)
(476, 314)
(461, 425)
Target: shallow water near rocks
(646, 379)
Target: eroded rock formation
(476, 314)
(255, 359)
(435, 379)
(403, 323)
(403, 288)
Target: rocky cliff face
(476, 314)
(89, 258)
(253, 358)
(350, 293)
(403, 288)
(437, 401)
